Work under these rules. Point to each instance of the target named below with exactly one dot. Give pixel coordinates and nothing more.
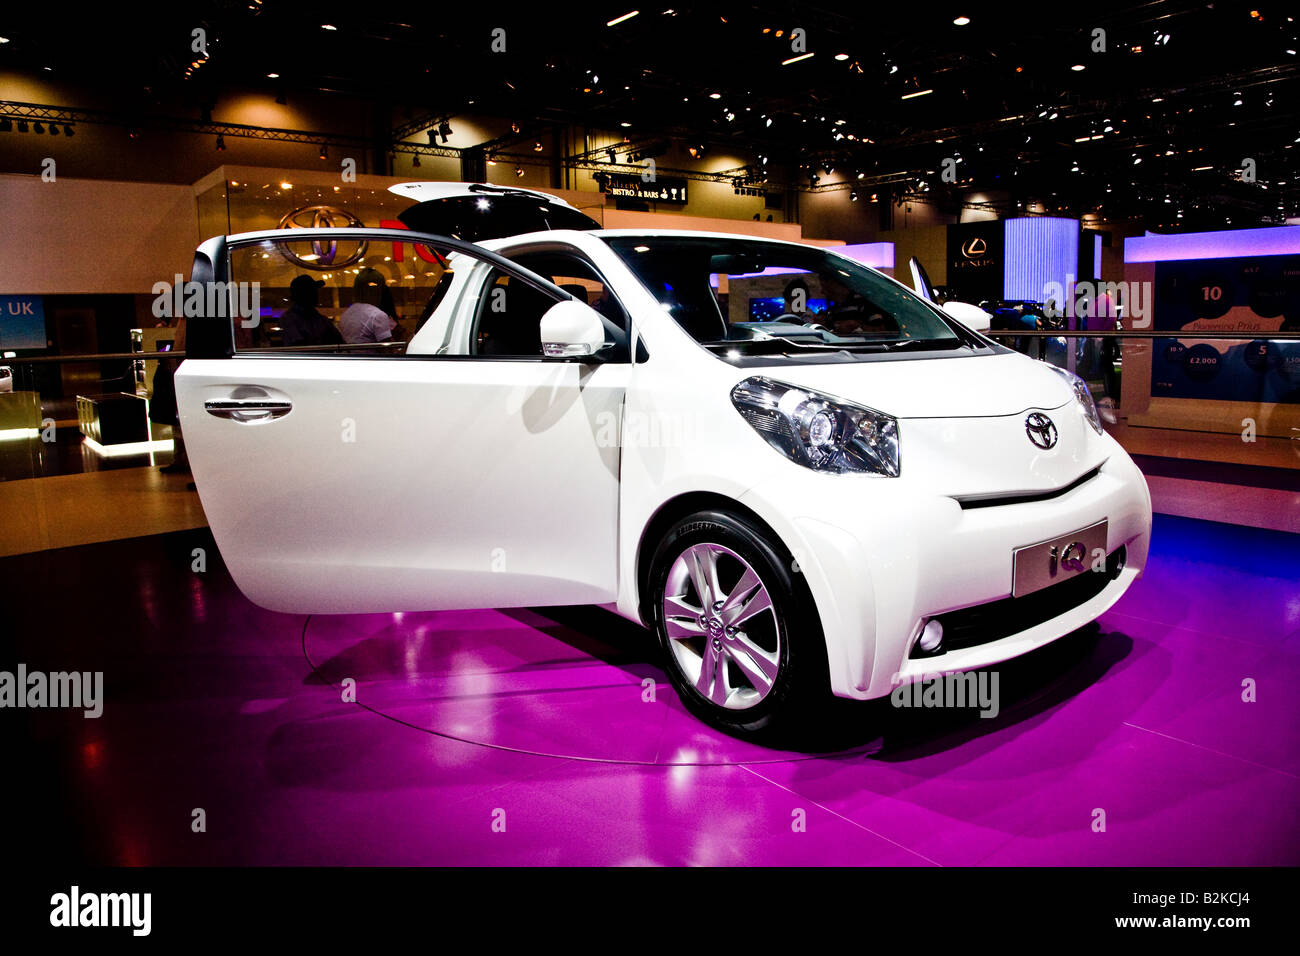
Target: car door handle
(250, 411)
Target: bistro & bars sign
(634, 187)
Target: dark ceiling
(1161, 121)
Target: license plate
(1036, 566)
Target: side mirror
(971, 316)
(570, 329)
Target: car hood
(967, 386)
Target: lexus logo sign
(974, 248)
(323, 254)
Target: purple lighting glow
(1228, 244)
(1039, 250)
(877, 255)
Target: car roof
(573, 235)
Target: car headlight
(1081, 395)
(818, 431)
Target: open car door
(381, 479)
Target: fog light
(931, 637)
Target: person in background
(162, 405)
(366, 320)
(301, 323)
(1108, 352)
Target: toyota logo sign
(325, 254)
(1041, 430)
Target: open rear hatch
(477, 211)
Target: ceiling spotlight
(273, 76)
(324, 153)
(328, 26)
(221, 142)
(617, 20)
(841, 56)
(68, 131)
(38, 128)
(444, 130)
(537, 146)
(613, 156)
(6, 125)
(519, 171)
(715, 96)
(908, 96)
(961, 21)
(4, 39)
(415, 160)
(1078, 67)
(796, 59)
(697, 150)
(853, 195)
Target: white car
(805, 478)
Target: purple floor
(537, 720)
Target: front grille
(985, 623)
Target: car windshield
(740, 297)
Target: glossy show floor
(551, 736)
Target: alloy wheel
(722, 626)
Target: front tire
(739, 628)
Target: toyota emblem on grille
(1040, 429)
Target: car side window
(360, 294)
(331, 292)
(509, 318)
(509, 313)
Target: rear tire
(740, 633)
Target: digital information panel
(1254, 296)
(22, 322)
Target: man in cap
(301, 323)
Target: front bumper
(881, 558)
